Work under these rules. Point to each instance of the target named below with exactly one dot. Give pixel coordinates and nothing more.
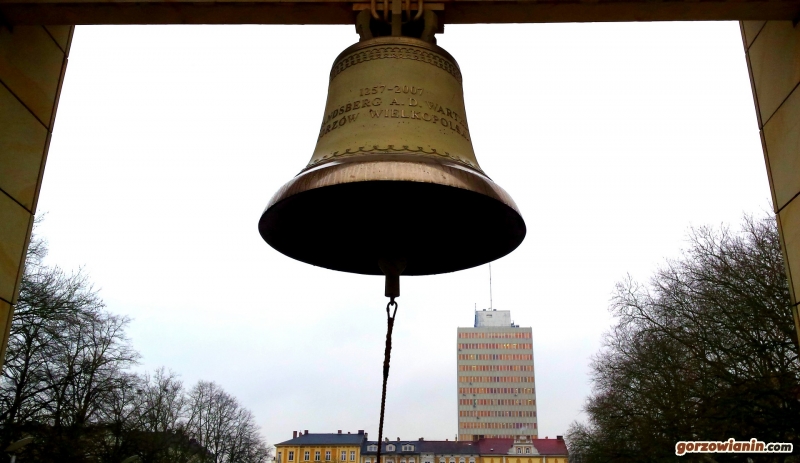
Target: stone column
(33, 60)
(772, 49)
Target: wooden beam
(340, 12)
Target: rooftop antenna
(490, 286)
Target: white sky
(612, 138)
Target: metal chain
(387, 354)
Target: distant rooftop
(449, 447)
(493, 317)
(326, 439)
(505, 446)
(424, 446)
(550, 446)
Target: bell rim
(377, 153)
(311, 230)
(393, 168)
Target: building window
(527, 450)
(452, 460)
(306, 455)
(471, 460)
(519, 450)
(291, 455)
(344, 455)
(390, 448)
(316, 455)
(373, 448)
(352, 455)
(461, 460)
(327, 455)
(279, 457)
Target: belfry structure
(35, 42)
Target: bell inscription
(398, 108)
(395, 100)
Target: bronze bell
(393, 177)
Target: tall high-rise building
(496, 392)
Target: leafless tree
(225, 429)
(162, 402)
(50, 300)
(88, 366)
(67, 381)
(155, 428)
(706, 351)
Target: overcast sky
(613, 139)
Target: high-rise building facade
(496, 391)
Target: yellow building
(321, 448)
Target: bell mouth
(437, 216)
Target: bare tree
(226, 430)
(162, 406)
(706, 351)
(88, 366)
(66, 381)
(49, 301)
(155, 430)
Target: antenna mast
(490, 286)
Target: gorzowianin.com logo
(731, 446)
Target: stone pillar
(772, 49)
(33, 60)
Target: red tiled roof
(497, 446)
(550, 446)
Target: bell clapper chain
(392, 269)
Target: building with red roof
(524, 449)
